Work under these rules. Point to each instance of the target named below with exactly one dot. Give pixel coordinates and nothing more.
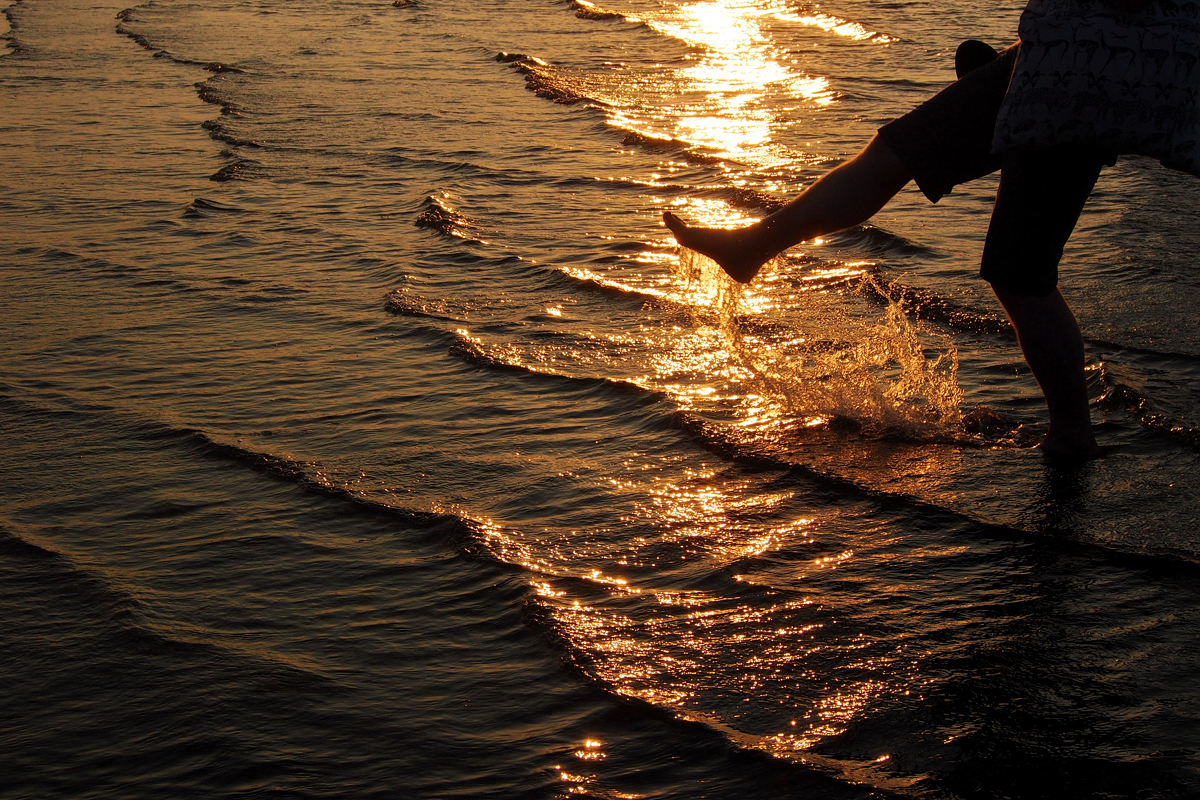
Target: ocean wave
(653, 144)
(129, 15)
(681, 149)
(475, 538)
(308, 476)
(608, 287)
(558, 86)
(202, 207)
(871, 240)
(437, 215)
(116, 606)
(10, 36)
(128, 619)
(238, 168)
(404, 302)
(219, 131)
(478, 539)
(839, 26)
(452, 529)
(473, 351)
(702, 737)
(982, 428)
(1133, 383)
(1123, 397)
(586, 10)
(929, 306)
(134, 274)
(515, 58)
(208, 91)
(544, 82)
(215, 94)
(218, 67)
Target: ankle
(1075, 443)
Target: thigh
(947, 140)
(1040, 198)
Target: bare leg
(1053, 346)
(849, 194)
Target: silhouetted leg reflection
(1061, 497)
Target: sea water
(365, 434)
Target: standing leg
(1053, 347)
(1040, 198)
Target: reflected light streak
(620, 584)
(841, 272)
(738, 72)
(830, 24)
(591, 751)
(712, 213)
(710, 514)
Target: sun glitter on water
(804, 358)
(738, 89)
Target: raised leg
(848, 195)
(1053, 347)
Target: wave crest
(439, 216)
(586, 10)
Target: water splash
(816, 356)
(706, 288)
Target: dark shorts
(947, 140)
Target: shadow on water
(1060, 498)
(1044, 710)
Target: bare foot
(734, 249)
(1070, 449)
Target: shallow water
(366, 435)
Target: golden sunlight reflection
(835, 711)
(704, 286)
(798, 351)
(711, 213)
(512, 549)
(709, 513)
(741, 86)
(591, 751)
(838, 271)
(596, 576)
(842, 27)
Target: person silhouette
(943, 142)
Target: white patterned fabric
(1091, 74)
